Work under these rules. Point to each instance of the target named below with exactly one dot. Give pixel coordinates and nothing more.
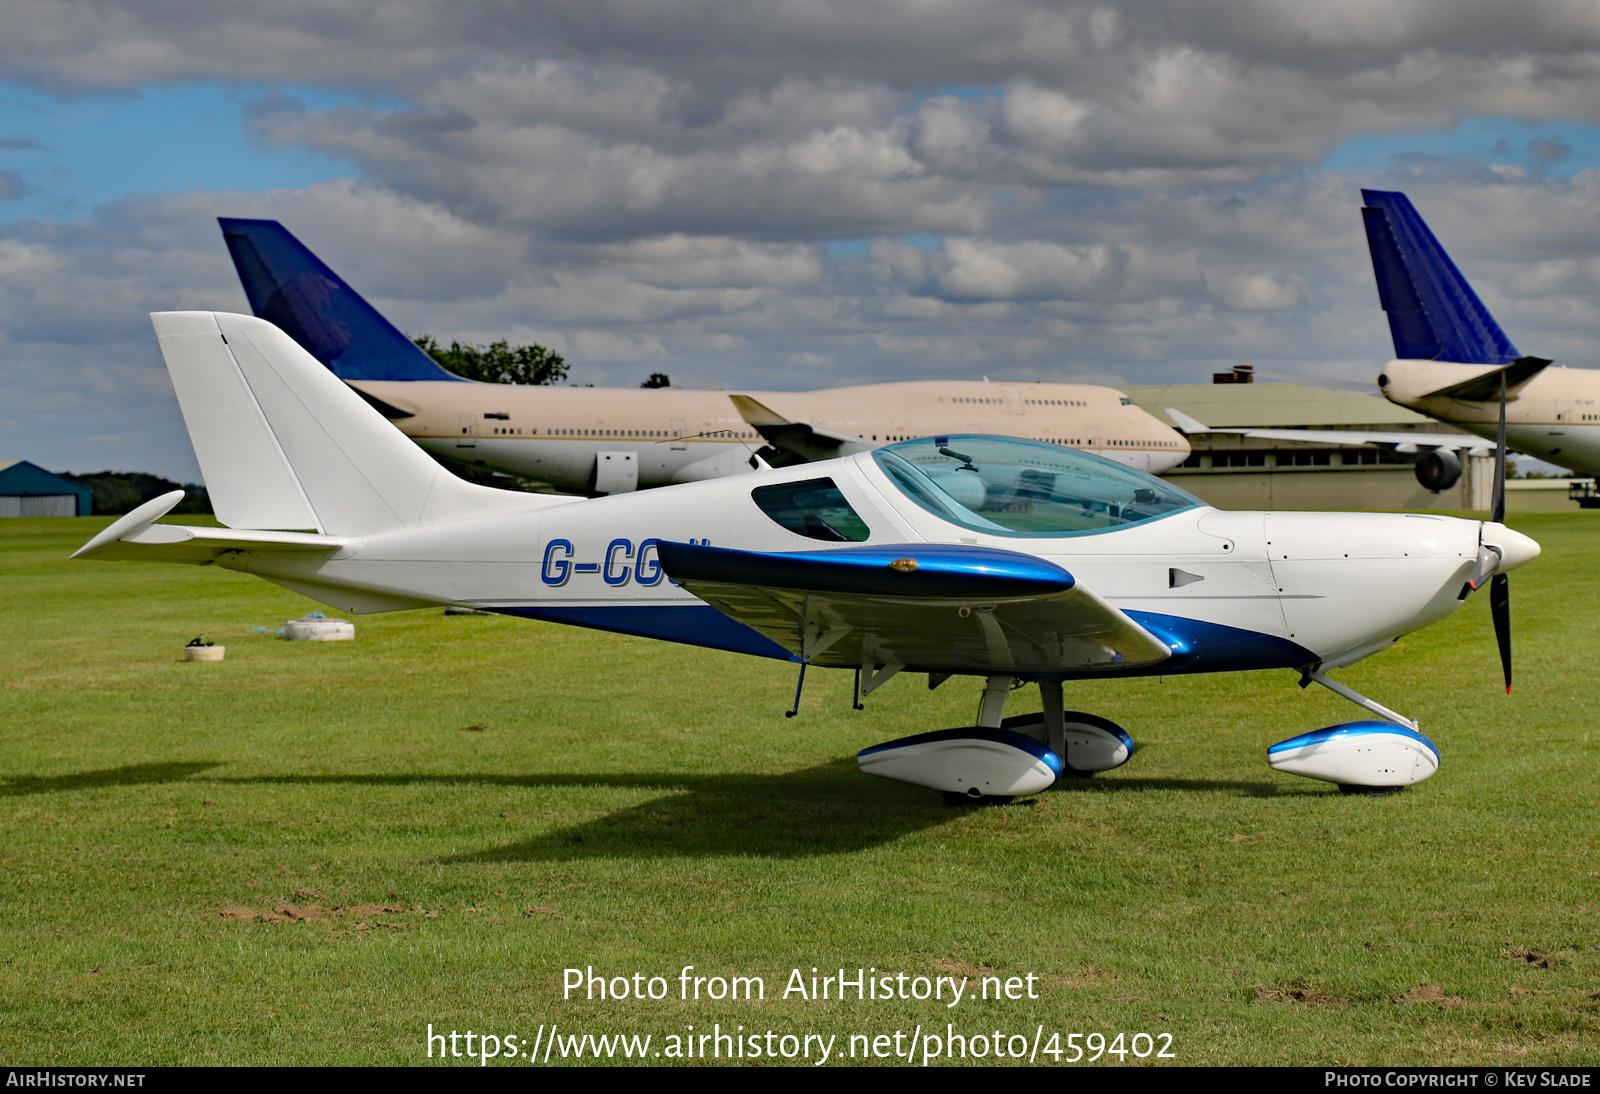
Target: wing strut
(798, 688)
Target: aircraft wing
(138, 538)
(796, 442)
(1406, 442)
(930, 607)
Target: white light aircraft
(1001, 558)
(1454, 363)
(614, 440)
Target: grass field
(488, 802)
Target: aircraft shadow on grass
(131, 775)
(822, 810)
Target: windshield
(1010, 487)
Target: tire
(1352, 790)
(956, 798)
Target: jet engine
(1439, 470)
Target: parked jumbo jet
(614, 440)
(1453, 362)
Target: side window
(813, 508)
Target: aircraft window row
(641, 433)
(612, 433)
(814, 508)
(1028, 402)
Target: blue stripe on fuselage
(690, 624)
(1198, 646)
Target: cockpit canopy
(1010, 487)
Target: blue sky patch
(71, 155)
(1556, 149)
(857, 248)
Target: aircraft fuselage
(1554, 416)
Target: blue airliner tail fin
(294, 290)
(1433, 312)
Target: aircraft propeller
(1500, 584)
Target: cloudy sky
(783, 195)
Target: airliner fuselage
(1554, 416)
(561, 435)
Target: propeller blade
(1500, 611)
(1497, 512)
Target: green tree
(658, 379)
(118, 492)
(498, 362)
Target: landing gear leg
(992, 707)
(1317, 676)
(1055, 723)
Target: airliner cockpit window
(1010, 487)
(814, 508)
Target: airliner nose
(1515, 548)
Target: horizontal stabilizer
(796, 442)
(185, 543)
(927, 607)
(293, 289)
(1486, 388)
(1433, 313)
(137, 537)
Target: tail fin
(294, 290)
(283, 444)
(1433, 313)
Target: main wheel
(1370, 791)
(973, 797)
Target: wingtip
(755, 412)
